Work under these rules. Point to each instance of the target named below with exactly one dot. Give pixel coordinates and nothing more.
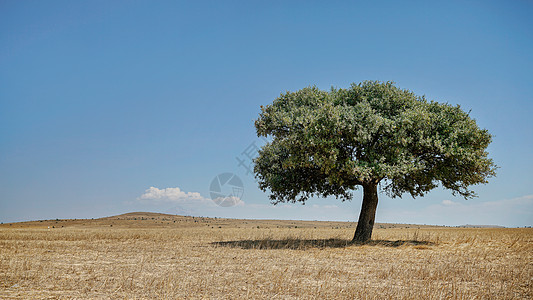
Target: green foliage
(329, 143)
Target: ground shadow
(300, 244)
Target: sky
(108, 107)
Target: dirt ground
(156, 256)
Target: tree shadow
(302, 244)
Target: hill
(151, 219)
(480, 226)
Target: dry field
(153, 256)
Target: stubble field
(154, 256)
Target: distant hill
(131, 215)
(151, 219)
(480, 226)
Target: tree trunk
(363, 232)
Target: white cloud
(175, 195)
(448, 203)
(229, 201)
(189, 203)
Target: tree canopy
(330, 142)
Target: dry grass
(170, 257)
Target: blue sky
(102, 100)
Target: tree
(372, 135)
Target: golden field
(155, 256)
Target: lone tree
(373, 134)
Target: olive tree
(372, 135)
